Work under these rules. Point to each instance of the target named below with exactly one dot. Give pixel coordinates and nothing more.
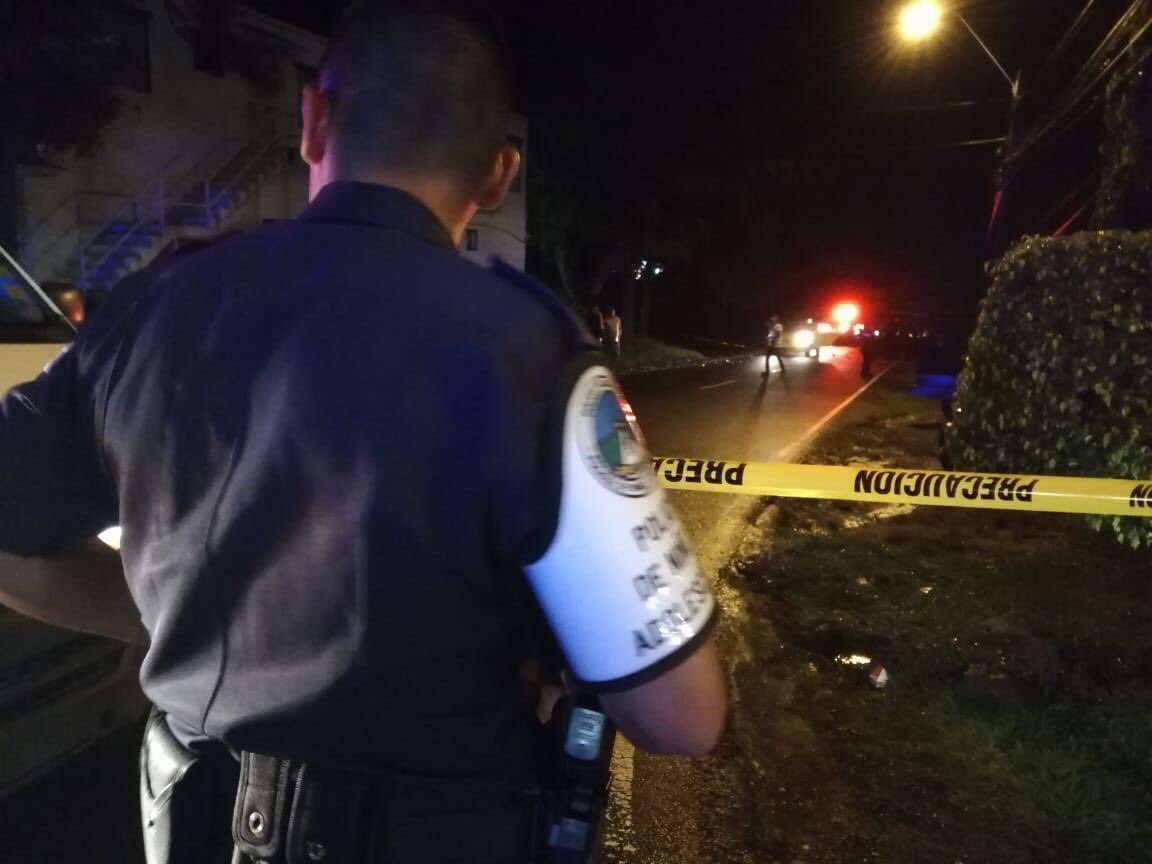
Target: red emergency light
(846, 313)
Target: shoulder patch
(610, 440)
(577, 335)
(619, 584)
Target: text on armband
(674, 624)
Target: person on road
(772, 336)
(340, 549)
(867, 354)
(613, 332)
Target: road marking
(794, 449)
(619, 833)
(721, 384)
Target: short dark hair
(418, 87)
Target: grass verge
(1017, 724)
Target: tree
(1125, 196)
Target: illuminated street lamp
(922, 19)
(919, 21)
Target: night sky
(888, 204)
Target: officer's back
(354, 377)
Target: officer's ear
(316, 114)
(504, 171)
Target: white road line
(721, 384)
(619, 833)
(795, 448)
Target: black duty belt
(295, 813)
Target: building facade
(197, 147)
(204, 143)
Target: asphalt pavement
(680, 811)
(664, 810)
(730, 412)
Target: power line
(946, 145)
(1070, 121)
(1114, 33)
(942, 106)
(1077, 91)
(1063, 44)
(1081, 189)
(1075, 102)
(1062, 229)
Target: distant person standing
(613, 329)
(772, 336)
(594, 318)
(867, 354)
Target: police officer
(351, 470)
(773, 333)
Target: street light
(921, 20)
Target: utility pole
(998, 223)
(920, 21)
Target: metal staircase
(198, 204)
(197, 194)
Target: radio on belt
(576, 794)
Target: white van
(59, 691)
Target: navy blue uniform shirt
(327, 443)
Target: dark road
(730, 412)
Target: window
(472, 240)
(518, 184)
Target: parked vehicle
(59, 691)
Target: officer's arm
(54, 499)
(622, 588)
(82, 588)
(680, 713)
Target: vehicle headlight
(804, 339)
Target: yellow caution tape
(1032, 494)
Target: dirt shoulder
(1015, 724)
(642, 355)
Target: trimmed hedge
(1058, 378)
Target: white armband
(620, 584)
